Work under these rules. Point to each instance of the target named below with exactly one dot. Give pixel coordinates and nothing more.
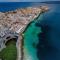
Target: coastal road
(19, 48)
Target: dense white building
(5, 35)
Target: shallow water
(31, 40)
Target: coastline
(22, 41)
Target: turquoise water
(31, 40)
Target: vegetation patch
(10, 52)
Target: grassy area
(10, 52)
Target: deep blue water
(7, 6)
(49, 39)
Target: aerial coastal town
(13, 24)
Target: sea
(42, 36)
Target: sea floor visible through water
(31, 40)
